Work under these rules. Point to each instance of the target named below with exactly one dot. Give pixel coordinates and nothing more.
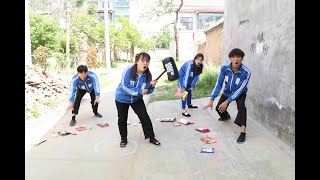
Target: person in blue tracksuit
(188, 78)
(84, 82)
(136, 81)
(236, 77)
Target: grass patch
(37, 107)
(165, 89)
(33, 110)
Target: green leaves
(44, 31)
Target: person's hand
(144, 91)
(70, 106)
(182, 90)
(97, 100)
(192, 90)
(153, 83)
(223, 106)
(210, 104)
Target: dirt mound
(45, 91)
(40, 84)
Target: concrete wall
(265, 31)
(212, 48)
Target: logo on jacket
(191, 74)
(90, 85)
(237, 81)
(83, 87)
(226, 78)
(143, 85)
(132, 83)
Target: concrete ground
(95, 153)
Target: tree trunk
(176, 35)
(68, 35)
(131, 52)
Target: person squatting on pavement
(135, 83)
(236, 77)
(188, 78)
(84, 82)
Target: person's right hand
(182, 90)
(144, 91)
(210, 104)
(70, 106)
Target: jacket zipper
(136, 86)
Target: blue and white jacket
(187, 78)
(130, 91)
(91, 83)
(235, 83)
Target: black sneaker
(241, 138)
(98, 114)
(73, 122)
(123, 143)
(228, 118)
(192, 106)
(185, 113)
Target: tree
(36, 5)
(92, 9)
(125, 39)
(147, 45)
(157, 8)
(87, 27)
(163, 39)
(176, 35)
(44, 31)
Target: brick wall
(212, 48)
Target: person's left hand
(97, 100)
(223, 106)
(192, 90)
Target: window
(207, 19)
(121, 3)
(186, 23)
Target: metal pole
(106, 35)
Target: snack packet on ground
(208, 140)
(207, 150)
(166, 119)
(102, 124)
(185, 121)
(204, 130)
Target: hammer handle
(157, 78)
(160, 75)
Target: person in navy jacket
(236, 77)
(84, 82)
(136, 81)
(188, 78)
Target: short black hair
(82, 68)
(236, 52)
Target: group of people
(136, 81)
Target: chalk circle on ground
(112, 147)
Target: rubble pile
(40, 84)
